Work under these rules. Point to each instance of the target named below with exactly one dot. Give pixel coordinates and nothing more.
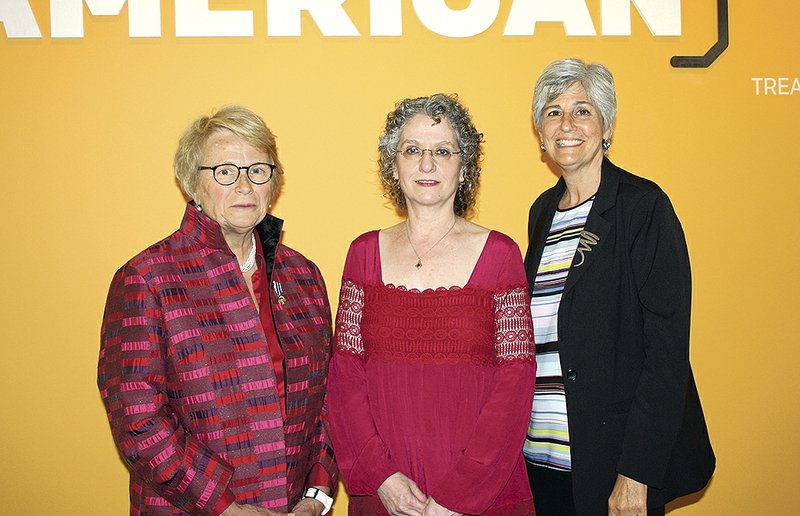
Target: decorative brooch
(585, 243)
(276, 286)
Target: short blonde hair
(240, 121)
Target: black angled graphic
(714, 52)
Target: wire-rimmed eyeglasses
(415, 153)
(227, 174)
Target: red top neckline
(442, 288)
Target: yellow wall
(102, 115)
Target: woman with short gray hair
(616, 425)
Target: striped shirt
(547, 443)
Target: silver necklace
(419, 257)
(251, 258)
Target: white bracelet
(320, 496)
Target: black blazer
(623, 328)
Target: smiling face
(239, 207)
(572, 131)
(427, 177)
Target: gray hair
(439, 107)
(595, 78)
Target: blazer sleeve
(323, 471)
(484, 467)
(662, 277)
(363, 458)
(132, 382)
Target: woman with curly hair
(433, 370)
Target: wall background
(102, 115)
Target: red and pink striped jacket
(187, 381)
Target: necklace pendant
(419, 257)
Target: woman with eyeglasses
(433, 369)
(215, 344)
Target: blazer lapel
(595, 232)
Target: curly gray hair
(595, 78)
(438, 107)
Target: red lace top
(436, 384)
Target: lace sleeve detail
(513, 326)
(348, 319)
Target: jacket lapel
(283, 298)
(595, 232)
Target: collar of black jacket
(606, 195)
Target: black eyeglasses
(227, 174)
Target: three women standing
(215, 340)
